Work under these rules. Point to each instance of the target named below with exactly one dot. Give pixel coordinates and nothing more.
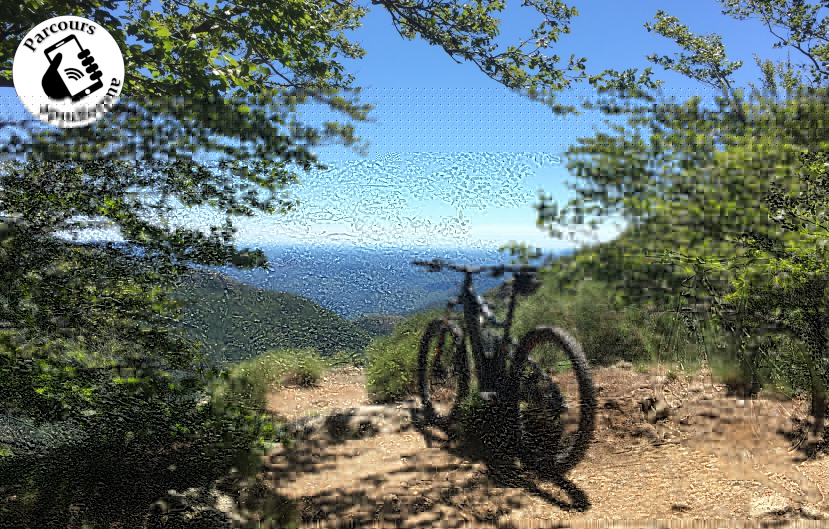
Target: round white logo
(68, 71)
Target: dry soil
(712, 459)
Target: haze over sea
(355, 281)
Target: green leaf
(160, 29)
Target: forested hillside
(237, 321)
(378, 324)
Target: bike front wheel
(442, 369)
(557, 415)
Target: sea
(356, 281)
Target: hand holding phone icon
(70, 81)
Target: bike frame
(490, 359)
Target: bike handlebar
(435, 265)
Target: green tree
(691, 182)
(225, 79)
(248, 66)
(237, 71)
(786, 285)
(228, 79)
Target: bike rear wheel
(442, 370)
(556, 424)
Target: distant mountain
(312, 292)
(378, 324)
(237, 321)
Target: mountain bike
(545, 432)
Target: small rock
(680, 507)
(812, 513)
(353, 423)
(769, 505)
(391, 503)
(655, 409)
(223, 502)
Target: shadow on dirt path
(710, 456)
(373, 464)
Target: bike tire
(561, 458)
(425, 370)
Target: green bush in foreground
(136, 448)
(391, 361)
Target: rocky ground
(668, 452)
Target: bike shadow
(501, 471)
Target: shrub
(606, 332)
(288, 366)
(141, 428)
(783, 364)
(303, 366)
(392, 360)
(392, 369)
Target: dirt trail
(715, 457)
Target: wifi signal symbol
(73, 73)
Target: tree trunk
(816, 343)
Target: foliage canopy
(711, 195)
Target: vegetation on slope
(378, 324)
(237, 321)
(642, 334)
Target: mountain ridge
(236, 320)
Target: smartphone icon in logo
(71, 70)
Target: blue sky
(456, 159)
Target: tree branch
(795, 46)
(209, 21)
